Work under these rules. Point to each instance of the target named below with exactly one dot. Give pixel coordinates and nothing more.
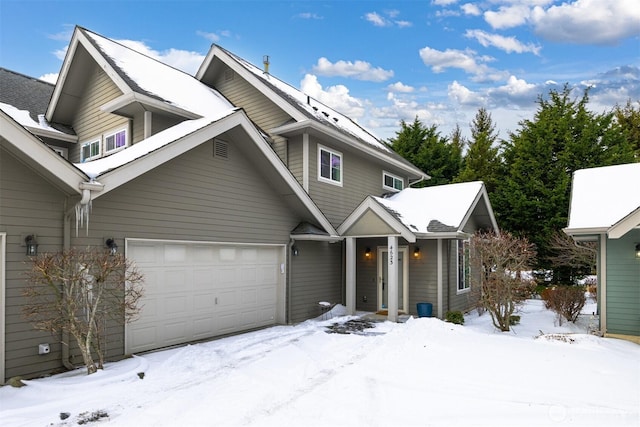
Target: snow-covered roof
(313, 107)
(97, 167)
(441, 208)
(601, 197)
(167, 83)
(24, 118)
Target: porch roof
(423, 213)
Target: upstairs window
(464, 268)
(392, 182)
(330, 166)
(115, 141)
(90, 150)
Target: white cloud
(443, 2)
(466, 60)
(49, 77)
(462, 95)
(507, 16)
(471, 9)
(213, 37)
(359, 70)
(389, 21)
(508, 44)
(400, 87)
(309, 15)
(336, 97)
(60, 53)
(588, 21)
(376, 19)
(187, 61)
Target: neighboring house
(605, 208)
(243, 201)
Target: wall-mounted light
(637, 250)
(367, 253)
(416, 252)
(111, 244)
(31, 244)
(294, 250)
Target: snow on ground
(424, 372)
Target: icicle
(82, 216)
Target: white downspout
(85, 200)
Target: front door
(403, 279)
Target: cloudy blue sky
(376, 61)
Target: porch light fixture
(416, 252)
(32, 245)
(638, 250)
(294, 251)
(111, 244)
(367, 253)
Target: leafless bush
(77, 291)
(496, 262)
(566, 301)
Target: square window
(392, 182)
(330, 166)
(115, 141)
(90, 150)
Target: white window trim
(97, 140)
(395, 177)
(467, 284)
(332, 152)
(112, 133)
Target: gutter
(81, 206)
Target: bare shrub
(566, 301)
(497, 261)
(79, 291)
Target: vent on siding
(228, 74)
(220, 149)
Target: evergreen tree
(481, 163)
(425, 148)
(532, 198)
(628, 118)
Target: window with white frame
(392, 182)
(329, 166)
(464, 268)
(115, 141)
(90, 150)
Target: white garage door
(200, 290)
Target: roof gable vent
(220, 149)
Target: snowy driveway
(423, 372)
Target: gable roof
(613, 187)
(429, 212)
(306, 112)
(141, 79)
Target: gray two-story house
(243, 201)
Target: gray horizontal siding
(316, 275)
(262, 111)
(361, 177)
(28, 205)
(90, 122)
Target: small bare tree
(497, 261)
(79, 291)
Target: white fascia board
(250, 77)
(625, 225)
(129, 171)
(370, 204)
(482, 194)
(360, 145)
(573, 232)
(131, 97)
(461, 235)
(316, 238)
(60, 136)
(80, 38)
(23, 141)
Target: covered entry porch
(413, 247)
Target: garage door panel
(196, 290)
